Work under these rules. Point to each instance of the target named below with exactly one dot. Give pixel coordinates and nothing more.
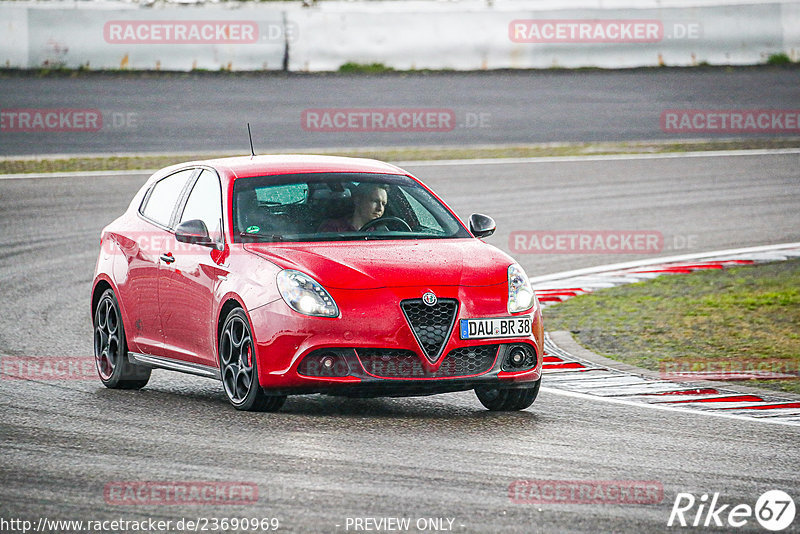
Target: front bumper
(382, 355)
(392, 372)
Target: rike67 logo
(774, 510)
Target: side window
(164, 196)
(205, 204)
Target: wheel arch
(231, 303)
(101, 284)
(100, 287)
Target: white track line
(660, 260)
(601, 157)
(75, 174)
(686, 411)
(476, 161)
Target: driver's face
(372, 206)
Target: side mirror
(481, 225)
(194, 231)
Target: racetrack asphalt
(323, 460)
(208, 112)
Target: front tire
(507, 399)
(239, 369)
(111, 349)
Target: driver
(369, 201)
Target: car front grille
(431, 324)
(396, 363)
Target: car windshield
(338, 206)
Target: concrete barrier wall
(469, 36)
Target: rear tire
(239, 369)
(507, 399)
(111, 349)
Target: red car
(285, 275)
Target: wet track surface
(185, 112)
(322, 460)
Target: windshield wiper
(271, 237)
(369, 236)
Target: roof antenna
(252, 152)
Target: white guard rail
(403, 35)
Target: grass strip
(741, 318)
(40, 164)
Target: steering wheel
(385, 220)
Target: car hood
(374, 264)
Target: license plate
(495, 327)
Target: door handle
(167, 258)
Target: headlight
(520, 293)
(304, 294)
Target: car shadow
(456, 406)
(202, 397)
